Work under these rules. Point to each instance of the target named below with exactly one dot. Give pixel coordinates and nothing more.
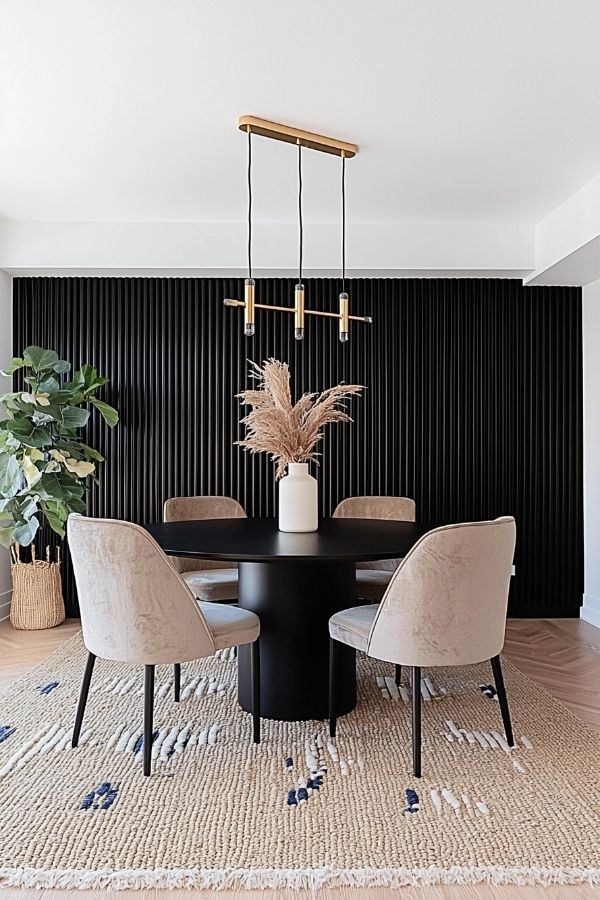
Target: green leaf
(55, 523)
(19, 408)
(49, 486)
(76, 383)
(91, 453)
(49, 386)
(56, 511)
(78, 506)
(29, 434)
(108, 413)
(89, 374)
(25, 532)
(11, 476)
(70, 397)
(6, 535)
(98, 383)
(43, 417)
(40, 359)
(69, 445)
(75, 417)
(60, 486)
(32, 473)
(16, 364)
(62, 366)
(12, 395)
(28, 507)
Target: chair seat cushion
(213, 584)
(352, 626)
(230, 625)
(372, 583)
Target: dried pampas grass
(289, 433)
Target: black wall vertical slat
(473, 407)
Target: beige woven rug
(219, 812)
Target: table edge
(285, 558)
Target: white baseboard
(5, 605)
(590, 611)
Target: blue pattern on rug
(5, 732)
(46, 689)
(412, 801)
(102, 797)
(489, 691)
(139, 744)
(317, 769)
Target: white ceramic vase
(298, 501)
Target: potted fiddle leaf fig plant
(44, 469)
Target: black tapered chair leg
(501, 691)
(416, 720)
(333, 659)
(148, 716)
(177, 680)
(255, 663)
(398, 675)
(83, 695)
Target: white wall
(567, 241)
(591, 451)
(5, 356)
(219, 249)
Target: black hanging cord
(300, 224)
(249, 203)
(343, 224)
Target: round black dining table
(294, 583)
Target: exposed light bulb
(343, 317)
(249, 307)
(299, 312)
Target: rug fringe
(296, 879)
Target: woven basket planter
(37, 600)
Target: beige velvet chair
(136, 609)
(372, 578)
(209, 580)
(445, 606)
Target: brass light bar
(292, 135)
(368, 320)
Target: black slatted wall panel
(473, 404)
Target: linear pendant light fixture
(303, 139)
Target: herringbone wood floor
(563, 655)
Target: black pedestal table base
(295, 583)
(294, 600)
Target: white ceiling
(464, 110)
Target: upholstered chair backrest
(134, 606)
(446, 603)
(403, 509)
(186, 509)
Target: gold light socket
(344, 317)
(299, 312)
(249, 307)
